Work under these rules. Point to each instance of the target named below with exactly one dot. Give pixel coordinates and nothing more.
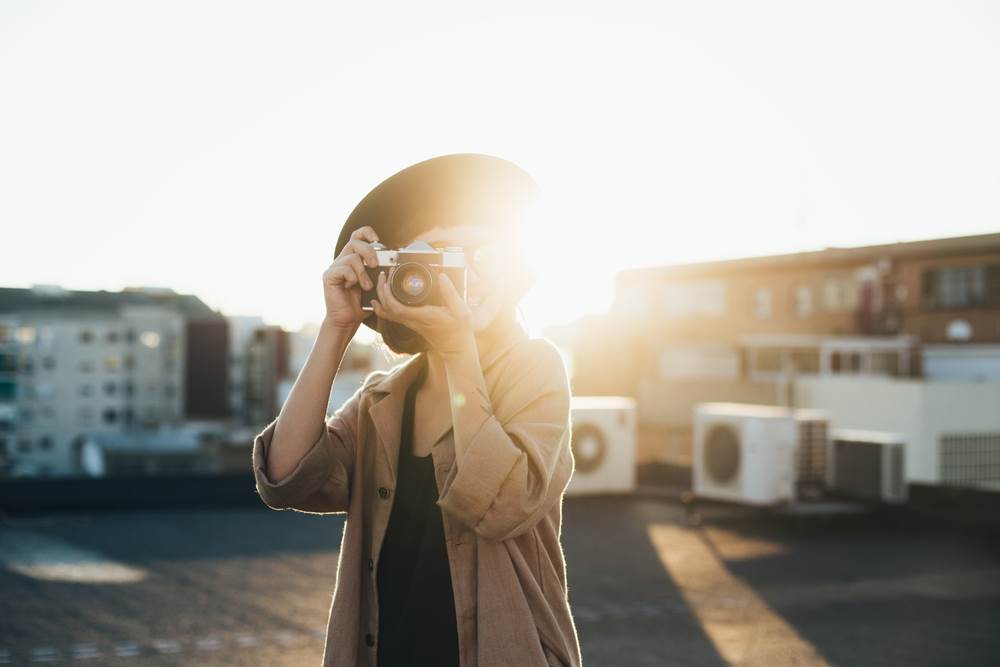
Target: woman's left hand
(446, 328)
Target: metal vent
(970, 459)
(858, 469)
(811, 451)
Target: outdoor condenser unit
(867, 465)
(604, 444)
(744, 453)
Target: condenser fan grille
(722, 453)
(590, 447)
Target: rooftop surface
(252, 586)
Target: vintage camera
(412, 273)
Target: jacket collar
(390, 390)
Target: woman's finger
(341, 275)
(364, 249)
(450, 294)
(394, 306)
(379, 310)
(355, 263)
(365, 233)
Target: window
(845, 362)
(972, 286)
(46, 443)
(86, 390)
(8, 390)
(150, 339)
(8, 363)
(833, 295)
(86, 366)
(112, 362)
(110, 388)
(805, 360)
(48, 362)
(86, 336)
(112, 336)
(763, 302)
(110, 415)
(25, 335)
(803, 300)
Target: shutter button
(370, 639)
(383, 492)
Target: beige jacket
(502, 513)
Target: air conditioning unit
(604, 444)
(744, 453)
(867, 465)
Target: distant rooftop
(941, 247)
(54, 297)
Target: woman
(452, 465)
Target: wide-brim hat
(443, 192)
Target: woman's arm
(509, 474)
(301, 460)
(302, 416)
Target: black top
(417, 622)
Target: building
(744, 330)
(76, 363)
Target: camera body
(412, 273)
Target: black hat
(442, 192)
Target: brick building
(739, 330)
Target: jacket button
(371, 564)
(370, 639)
(383, 492)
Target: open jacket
(502, 512)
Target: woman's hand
(344, 279)
(446, 328)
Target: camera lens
(410, 283)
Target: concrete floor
(252, 587)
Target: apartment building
(75, 364)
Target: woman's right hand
(343, 280)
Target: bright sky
(217, 147)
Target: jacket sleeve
(515, 470)
(321, 482)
